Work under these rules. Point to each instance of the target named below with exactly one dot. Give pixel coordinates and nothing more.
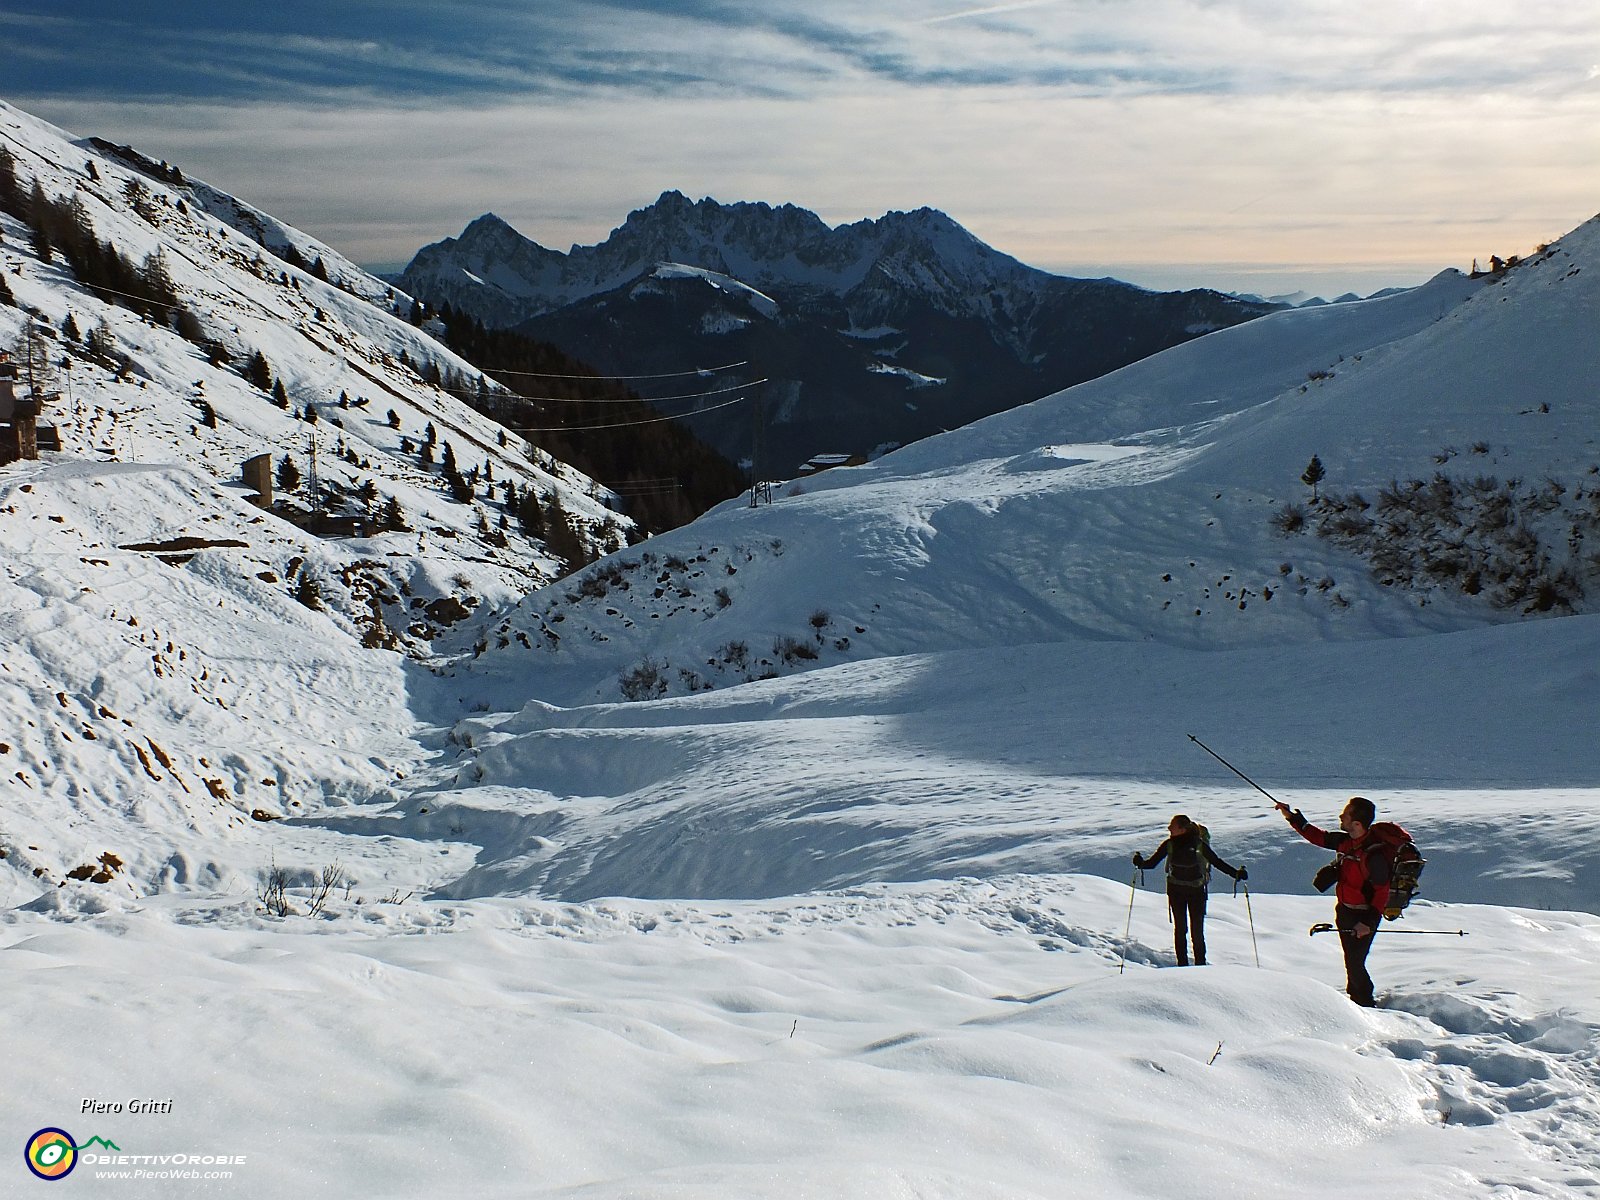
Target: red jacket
(1363, 864)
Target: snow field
(857, 930)
(966, 1038)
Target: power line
(556, 399)
(623, 424)
(95, 287)
(604, 378)
(510, 395)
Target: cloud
(1143, 183)
(458, 50)
(1062, 131)
(991, 10)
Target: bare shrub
(332, 876)
(792, 650)
(645, 681)
(273, 891)
(1289, 519)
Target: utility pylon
(313, 485)
(760, 488)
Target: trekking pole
(1133, 890)
(1234, 769)
(1252, 917)
(1324, 927)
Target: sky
(1244, 144)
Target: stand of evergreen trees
(630, 455)
(64, 227)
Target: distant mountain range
(871, 334)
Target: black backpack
(1187, 863)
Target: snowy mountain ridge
(923, 256)
(762, 245)
(881, 331)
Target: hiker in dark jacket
(1187, 851)
(1362, 894)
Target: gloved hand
(1242, 875)
(1138, 861)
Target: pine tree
(157, 283)
(288, 474)
(1313, 475)
(101, 341)
(530, 514)
(12, 199)
(280, 395)
(189, 328)
(41, 245)
(69, 329)
(561, 538)
(31, 353)
(259, 372)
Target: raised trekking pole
(1325, 927)
(1133, 890)
(1234, 769)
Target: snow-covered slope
(1092, 573)
(1146, 505)
(177, 659)
(305, 917)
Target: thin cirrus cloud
(1072, 133)
(471, 51)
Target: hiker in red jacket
(1363, 871)
(1187, 851)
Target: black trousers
(1188, 905)
(1357, 982)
